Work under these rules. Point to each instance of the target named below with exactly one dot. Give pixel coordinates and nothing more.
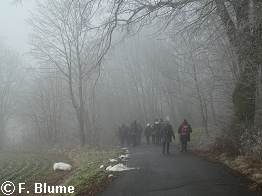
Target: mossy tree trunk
(244, 34)
(258, 57)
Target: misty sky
(14, 30)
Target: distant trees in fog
(198, 60)
(10, 81)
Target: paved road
(175, 175)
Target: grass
(31, 167)
(88, 178)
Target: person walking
(123, 135)
(134, 132)
(184, 130)
(148, 132)
(154, 130)
(159, 129)
(166, 136)
(129, 136)
(139, 134)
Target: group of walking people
(158, 132)
(130, 135)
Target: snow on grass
(112, 160)
(108, 168)
(62, 166)
(119, 167)
(89, 174)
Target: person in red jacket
(184, 131)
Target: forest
(136, 61)
(96, 64)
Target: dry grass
(32, 167)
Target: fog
(73, 73)
(15, 31)
(144, 76)
(91, 88)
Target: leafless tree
(65, 37)
(241, 21)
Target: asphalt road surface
(178, 174)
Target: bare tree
(65, 37)
(242, 23)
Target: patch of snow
(62, 166)
(112, 160)
(101, 166)
(124, 148)
(120, 167)
(108, 168)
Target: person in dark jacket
(166, 135)
(154, 131)
(148, 132)
(184, 131)
(157, 131)
(134, 130)
(129, 136)
(139, 134)
(123, 134)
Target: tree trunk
(202, 102)
(245, 37)
(240, 37)
(212, 107)
(258, 113)
(81, 110)
(257, 32)
(78, 108)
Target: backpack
(184, 130)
